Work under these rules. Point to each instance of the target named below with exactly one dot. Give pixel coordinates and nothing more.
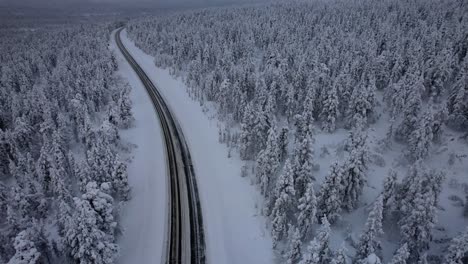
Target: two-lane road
(185, 237)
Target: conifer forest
(343, 122)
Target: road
(185, 237)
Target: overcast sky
(154, 3)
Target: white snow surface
(234, 232)
(144, 217)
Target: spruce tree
(389, 188)
(368, 242)
(401, 256)
(293, 255)
(302, 164)
(307, 211)
(329, 199)
(340, 256)
(457, 252)
(246, 139)
(354, 177)
(318, 252)
(86, 242)
(418, 207)
(283, 141)
(268, 163)
(283, 201)
(26, 251)
(411, 111)
(330, 111)
(422, 137)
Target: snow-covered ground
(234, 232)
(144, 217)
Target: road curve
(185, 237)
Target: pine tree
(85, 241)
(368, 243)
(361, 104)
(319, 251)
(26, 251)
(100, 158)
(283, 201)
(418, 203)
(120, 179)
(283, 142)
(303, 128)
(246, 140)
(457, 103)
(307, 211)
(302, 164)
(330, 111)
(293, 255)
(389, 189)
(354, 177)
(458, 249)
(411, 111)
(329, 199)
(268, 163)
(401, 256)
(340, 256)
(102, 203)
(421, 138)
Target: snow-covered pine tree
(368, 242)
(330, 111)
(293, 256)
(100, 157)
(283, 141)
(102, 204)
(422, 137)
(246, 139)
(302, 158)
(389, 189)
(361, 104)
(283, 202)
(354, 177)
(457, 103)
(401, 256)
(329, 199)
(120, 179)
(418, 200)
(340, 256)
(267, 163)
(25, 249)
(303, 128)
(457, 252)
(411, 110)
(357, 137)
(86, 243)
(307, 211)
(318, 252)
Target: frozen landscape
(316, 132)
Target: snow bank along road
(185, 238)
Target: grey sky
(153, 3)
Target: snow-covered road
(233, 231)
(144, 217)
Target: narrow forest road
(185, 236)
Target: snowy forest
(351, 117)
(62, 176)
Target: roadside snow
(143, 218)
(233, 230)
